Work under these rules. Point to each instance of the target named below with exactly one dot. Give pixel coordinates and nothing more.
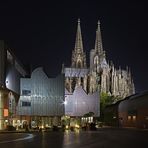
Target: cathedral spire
(78, 42)
(98, 42)
(78, 56)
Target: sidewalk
(18, 131)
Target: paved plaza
(102, 138)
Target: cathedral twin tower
(100, 74)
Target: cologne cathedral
(100, 74)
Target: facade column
(85, 83)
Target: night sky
(43, 33)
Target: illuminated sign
(5, 112)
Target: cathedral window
(96, 60)
(79, 64)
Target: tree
(106, 99)
(90, 114)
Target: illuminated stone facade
(100, 74)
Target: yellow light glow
(134, 117)
(129, 117)
(66, 126)
(6, 121)
(77, 126)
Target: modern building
(132, 111)
(111, 114)
(99, 73)
(41, 100)
(11, 70)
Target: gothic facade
(100, 74)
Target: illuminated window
(129, 117)
(134, 117)
(96, 60)
(79, 64)
(5, 112)
(91, 119)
